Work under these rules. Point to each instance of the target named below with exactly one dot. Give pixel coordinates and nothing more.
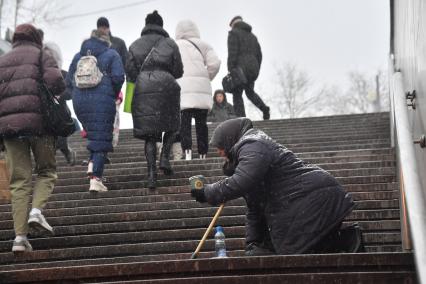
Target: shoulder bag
(57, 118)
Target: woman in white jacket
(200, 65)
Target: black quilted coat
(156, 101)
(297, 203)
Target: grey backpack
(87, 74)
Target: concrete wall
(408, 44)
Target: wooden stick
(206, 234)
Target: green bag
(130, 89)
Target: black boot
(266, 113)
(255, 249)
(152, 177)
(350, 239)
(151, 156)
(169, 139)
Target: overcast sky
(326, 38)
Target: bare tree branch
(295, 96)
(38, 12)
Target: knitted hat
(154, 19)
(102, 22)
(236, 18)
(27, 32)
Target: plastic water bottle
(219, 244)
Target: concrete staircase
(135, 235)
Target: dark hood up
(227, 134)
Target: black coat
(156, 101)
(244, 51)
(120, 46)
(299, 203)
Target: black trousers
(200, 116)
(251, 95)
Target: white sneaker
(21, 246)
(90, 169)
(203, 157)
(96, 185)
(38, 225)
(188, 155)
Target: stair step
(132, 234)
(164, 194)
(372, 214)
(364, 200)
(397, 265)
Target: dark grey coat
(120, 46)
(299, 204)
(221, 111)
(156, 101)
(244, 51)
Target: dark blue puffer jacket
(95, 107)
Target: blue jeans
(98, 159)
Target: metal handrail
(410, 180)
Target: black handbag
(57, 120)
(234, 80)
(228, 84)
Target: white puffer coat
(199, 67)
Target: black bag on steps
(57, 118)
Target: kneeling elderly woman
(292, 207)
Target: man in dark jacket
(244, 52)
(116, 43)
(154, 64)
(21, 128)
(222, 110)
(299, 207)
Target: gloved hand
(197, 188)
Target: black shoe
(165, 166)
(254, 249)
(266, 114)
(350, 239)
(85, 162)
(107, 161)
